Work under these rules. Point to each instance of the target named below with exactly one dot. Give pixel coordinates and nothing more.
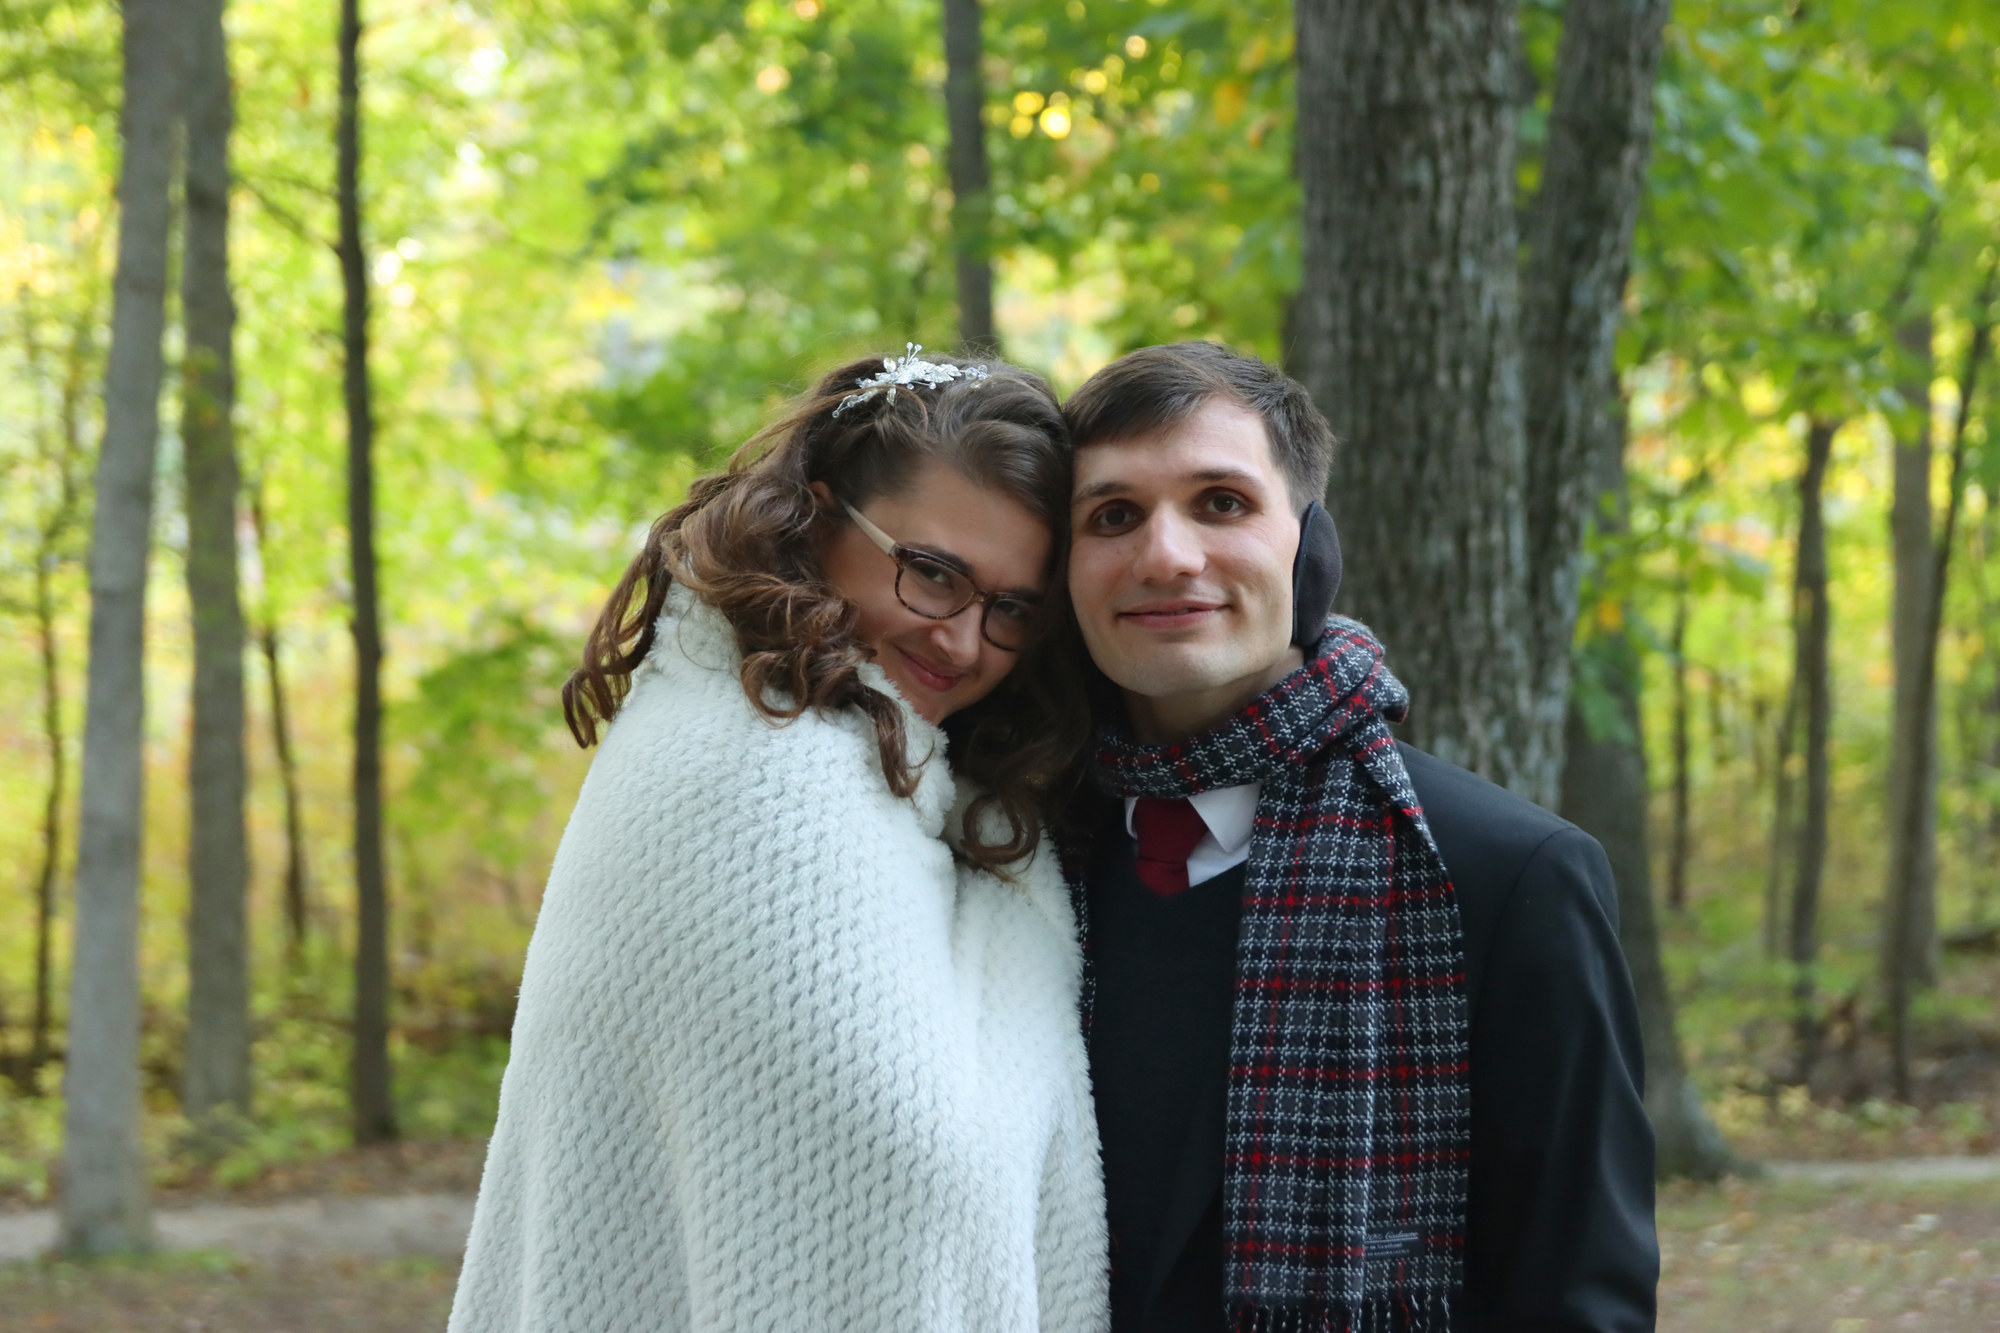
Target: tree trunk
(971, 192)
(1905, 945)
(52, 806)
(1409, 340)
(105, 1208)
(1775, 930)
(1909, 907)
(1605, 794)
(1677, 847)
(216, 1074)
(369, 1091)
(1812, 628)
(296, 881)
(1572, 295)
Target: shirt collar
(1229, 813)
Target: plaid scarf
(1348, 1134)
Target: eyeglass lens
(934, 589)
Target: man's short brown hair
(1156, 387)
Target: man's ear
(1315, 575)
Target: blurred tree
(1812, 628)
(373, 1105)
(104, 1199)
(971, 181)
(216, 1074)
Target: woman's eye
(1014, 609)
(933, 573)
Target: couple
(985, 781)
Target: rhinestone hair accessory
(908, 371)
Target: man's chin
(1171, 670)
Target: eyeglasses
(935, 590)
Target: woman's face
(940, 666)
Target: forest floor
(1773, 1255)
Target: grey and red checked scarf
(1348, 1132)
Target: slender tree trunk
(1572, 295)
(296, 882)
(1782, 832)
(971, 192)
(1909, 909)
(1915, 913)
(216, 1073)
(1409, 339)
(373, 1110)
(1677, 848)
(105, 1208)
(52, 806)
(1812, 622)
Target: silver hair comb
(909, 371)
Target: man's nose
(1169, 549)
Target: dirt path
(401, 1226)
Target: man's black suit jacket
(1560, 1232)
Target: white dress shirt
(1229, 813)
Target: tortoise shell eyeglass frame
(939, 585)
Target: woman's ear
(822, 493)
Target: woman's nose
(958, 637)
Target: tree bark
(105, 1208)
(1917, 912)
(971, 183)
(1909, 906)
(216, 1072)
(1677, 847)
(1812, 629)
(373, 1110)
(296, 882)
(1409, 340)
(1775, 929)
(1572, 295)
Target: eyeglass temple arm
(875, 534)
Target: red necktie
(1168, 832)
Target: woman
(797, 1046)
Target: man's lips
(930, 677)
(1179, 613)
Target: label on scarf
(1394, 1245)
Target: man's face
(1181, 567)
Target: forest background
(604, 239)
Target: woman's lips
(929, 676)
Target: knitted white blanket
(778, 1064)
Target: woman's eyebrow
(964, 566)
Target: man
(1364, 1047)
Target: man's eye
(1225, 503)
(1116, 516)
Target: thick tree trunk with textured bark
(971, 192)
(372, 1108)
(1466, 395)
(1909, 907)
(1600, 138)
(1812, 623)
(1409, 339)
(105, 1207)
(216, 1073)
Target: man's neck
(1163, 719)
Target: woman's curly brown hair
(744, 542)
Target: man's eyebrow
(1115, 486)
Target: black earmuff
(1315, 575)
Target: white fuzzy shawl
(779, 1064)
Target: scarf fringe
(1380, 1314)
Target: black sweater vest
(1165, 973)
